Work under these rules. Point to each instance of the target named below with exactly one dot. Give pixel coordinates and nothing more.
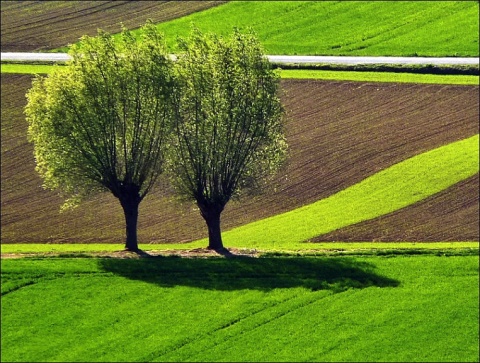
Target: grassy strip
(420, 308)
(20, 68)
(458, 69)
(379, 77)
(306, 74)
(391, 189)
(78, 248)
(88, 247)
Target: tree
(228, 122)
(100, 123)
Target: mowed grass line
(391, 189)
(307, 74)
(404, 308)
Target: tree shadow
(264, 273)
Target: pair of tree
(122, 112)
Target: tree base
(221, 251)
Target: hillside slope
(42, 25)
(339, 134)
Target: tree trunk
(211, 214)
(130, 205)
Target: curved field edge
(459, 214)
(394, 188)
(391, 189)
(308, 74)
(246, 309)
(33, 26)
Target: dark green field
(403, 308)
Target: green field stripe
(307, 74)
(395, 77)
(317, 248)
(26, 68)
(394, 188)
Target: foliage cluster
(120, 113)
(98, 123)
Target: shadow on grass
(266, 273)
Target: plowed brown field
(40, 25)
(339, 133)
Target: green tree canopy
(101, 122)
(228, 122)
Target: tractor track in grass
(241, 325)
(339, 133)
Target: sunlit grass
(391, 28)
(379, 77)
(391, 189)
(420, 308)
(307, 74)
(26, 68)
(330, 247)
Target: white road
(35, 57)
(282, 59)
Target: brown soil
(41, 25)
(339, 133)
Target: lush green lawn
(391, 308)
(390, 28)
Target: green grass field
(389, 28)
(297, 301)
(391, 308)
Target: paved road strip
(282, 59)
